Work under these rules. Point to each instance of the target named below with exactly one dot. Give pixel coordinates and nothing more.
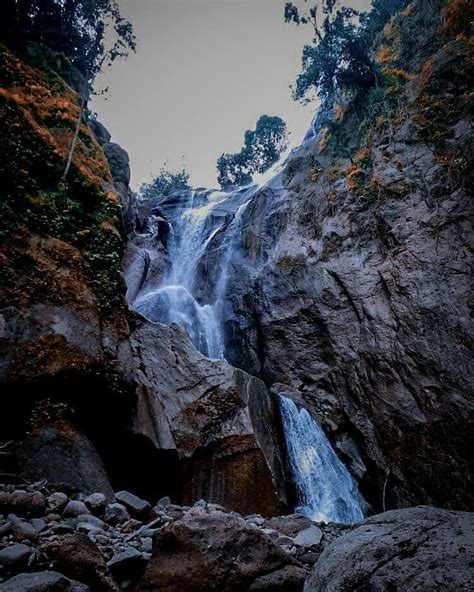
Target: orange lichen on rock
(352, 174)
(399, 72)
(386, 55)
(53, 117)
(408, 10)
(323, 139)
(458, 16)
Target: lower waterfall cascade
(325, 489)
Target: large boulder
(412, 549)
(62, 454)
(42, 581)
(208, 550)
(208, 412)
(77, 557)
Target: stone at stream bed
(288, 579)
(79, 558)
(310, 537)
(23, 531)
(135, 505)
(57, 501)
(206, 551)
(42, 581)
(420, 548)
(96, 502)
(116, 514)
(38, 524)
(22, 503)
(15, 557)
(127, 565)
(74, 509)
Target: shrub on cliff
(165, 183)
(262, 148)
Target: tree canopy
(262, 148)
(341, 57)
(75, 28)
(165, 183)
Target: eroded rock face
(208, 551)
(203, 409)
(412, 549)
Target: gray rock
(137, 506)
(116, 514)
(42, 581)
(310, 537)
(96, 502)
(211, 551)
(38, 524)
(58, 529)
(57, 501)
(127, 565)
(64, 455)
(15, 557)
(421, 548)
(23, 531)
(288, 579)
(92, 520)
(163, 502)
(212, 416)
(23, 503)
(74, 509)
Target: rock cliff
(351, 289)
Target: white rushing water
(174, 301)
(326, 491)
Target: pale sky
(204, 71)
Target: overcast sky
(204, 71)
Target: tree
(341, 57)
(164, 183)
(75, 28)
(262, 148)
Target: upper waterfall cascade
(204, 221)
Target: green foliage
(164, 183)
(340, 58)
(90, 33)
(262, 148)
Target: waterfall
(325, 489)
(174, 300)
(326, 492)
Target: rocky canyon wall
(352, 290)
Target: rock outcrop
(63, 320)
(215, 551)
(212, 416)
(412, 549)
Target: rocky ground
(50, 541)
